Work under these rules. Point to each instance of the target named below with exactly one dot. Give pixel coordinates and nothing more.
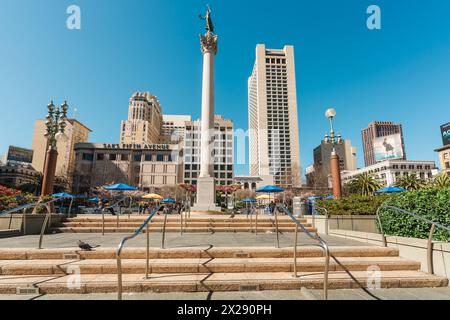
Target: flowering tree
(11, 198)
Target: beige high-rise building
(273, 123)
(76, 132)
(173, 128)
(144, 120)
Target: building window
(160, 157)
(137, 157)
(148, 157)
(88, 157)
(124, 157)
(113, 157)
(100, 157)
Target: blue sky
(400, 73)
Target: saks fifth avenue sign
(152, 147)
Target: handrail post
(147, 253)
(295, 251)
(327, 225)
(103, 222)
(164, 232)
(383, 236)
(119, 277)
(70, 207)
(327, 268)
(276, 227)
(44, 226)
(118, 214)
(256, 223)
(24, 222)
(430, 250)
(130, 208)
(181, 222)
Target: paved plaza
(69, 240)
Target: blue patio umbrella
(391, 190)
(270, 189)
(62, 195)
(249, 200)
(96, 199)
(120, 187)
(169, 200)
(331, 197)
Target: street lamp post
(335, 166)
(55, 130)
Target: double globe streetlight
(335, 166)
(55, 131)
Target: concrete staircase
(195, 224)
(203, 269)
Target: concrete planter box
(351, 223)
(354, 223)
(33, 222)
(410, 248)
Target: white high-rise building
(223, 151)
(273, 122)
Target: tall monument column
(206, 191)
(209, 50)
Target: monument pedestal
(206, 196)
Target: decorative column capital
(209, 43)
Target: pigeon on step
(86, 246)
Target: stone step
(173, 224)
(9, 233)
(201, 265)
(107, 283)
(195, 253)
(177, 229)
(140, 219)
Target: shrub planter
(33, 222)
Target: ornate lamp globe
(331, 113)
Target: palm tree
(442, 180)
(411, 182)
(365, 184)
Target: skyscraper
(375, 130)
(144, 120)
(273, 123)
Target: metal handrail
(322, 243)
(122, 244)
(327, 216)
(418, 217)
(116, 204)
(36, 205)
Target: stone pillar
(336, 175)
(49, 172)
(206, 193)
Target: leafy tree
(442, 181)
(411, 182)
(364, 184)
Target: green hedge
(353, 205)
(432, 204)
